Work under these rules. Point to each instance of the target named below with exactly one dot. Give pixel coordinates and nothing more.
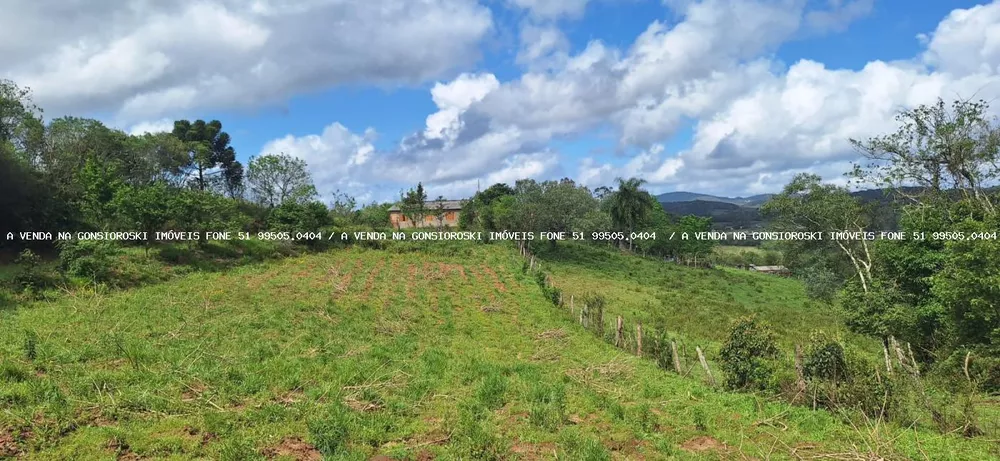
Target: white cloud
(150, 59)
(757, 123)
(153, 126)
(337, 158)
(542, 47)
(452, 99)
(485, 130)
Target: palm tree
(630, 205)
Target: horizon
(704, 96)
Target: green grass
(697, 304)
(451, 351)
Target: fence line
(645, 343)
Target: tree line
(76, 174)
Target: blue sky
(717, 96)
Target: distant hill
(743, 212)
(681, 196)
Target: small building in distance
(776, 270)
(448, 210)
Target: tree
(477, 213)
(440, 211)
(20, 121)
(277, 179)
(939, 151)
(207, 148)
(145, 209)
(746, 355)
(413, 204)
(693, 248)
(166, 156)
(603, 192)
(374, 215)
(100, 182)
(808, 205)
(630, 205)
(343, 208)
(554, 206)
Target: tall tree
(278, 179)
(440, 211)
(937, 150)
(208, 148)
(20, 121)
(630, 205)
(808, 205)
(413, 204)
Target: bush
(866, 389)
(91, 259)
(746, 356)
(30, 276)
(824, 359)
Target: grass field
(450, 352)
(697, 305)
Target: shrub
(90, 259)
(866, 389)
(30, 276)
(747, 354)
(824, 359)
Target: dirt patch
(294, 447)
(703, 443)
(494, 278)
(361, 405)
(8, 446)
(345, 281)
(411, 279)
(372, 274)
(524, 450)
(290, 397)
(122, 451)
(192, 392)
(425, 455)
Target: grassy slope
(364, 352)
(697, 304)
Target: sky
(727, 97)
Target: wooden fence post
(965, 367)
(618, 332)
(902, 357)
(572, 309)
(800, 381)
(638, 339)
(704, 364)
(913, 361)
(888, 363)
(677, 359)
